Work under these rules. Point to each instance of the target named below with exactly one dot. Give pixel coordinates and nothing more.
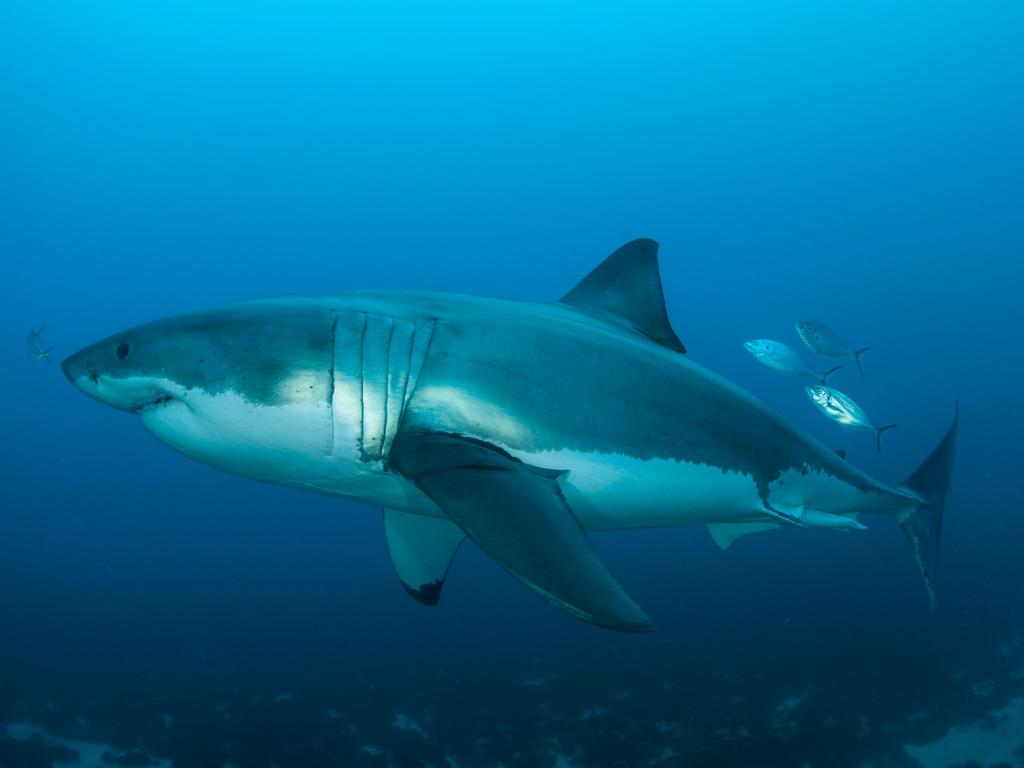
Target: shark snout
(77, 368)
(80, 369)
(91, 373)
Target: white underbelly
(305, 445)
(295, 445)
(610, 491)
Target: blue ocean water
(858, 163)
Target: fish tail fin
(824, 377)
(923, 524)
(856, 358)
(878, 435)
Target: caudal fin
(923, 526)
(824, 377)
(878, 435)
(856, 358)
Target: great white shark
(518, 425)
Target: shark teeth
(150, 404)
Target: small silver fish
(843, 410)
(826, 342)
(35, 337)
(783, 359)
(37, 349)
(35, 354)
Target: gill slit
(330, 378)
(362, 386)
(408, 373)
(411, 383)
(387, 384)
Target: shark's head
(123, 372)
(246, 388)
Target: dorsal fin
(626, 288)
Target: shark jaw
(135, 394)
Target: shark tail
(856, 358)
(878, 435)
(923, 524)
(823, 378)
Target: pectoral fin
(517, 514)
(724, 534)
(421, 549)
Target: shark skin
(518, 425)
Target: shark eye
(122, 350)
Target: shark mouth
(150, 403)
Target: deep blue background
(858, 163)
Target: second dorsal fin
(626, 288)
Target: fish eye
(122, 350)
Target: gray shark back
(545, 377)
